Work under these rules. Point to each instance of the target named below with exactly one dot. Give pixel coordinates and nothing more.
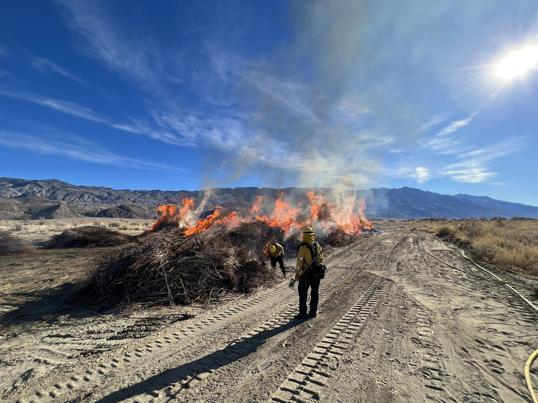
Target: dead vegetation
(338, 238)
(511, 244)
(88, 237)
(10, 244)
(167, 268)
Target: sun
(517, 63)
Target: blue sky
(184, 95)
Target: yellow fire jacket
(278, 252)
(304, 259)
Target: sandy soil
(402, 318)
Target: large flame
(203, 224)
(283, 216)
(167, 212)
(346, 214)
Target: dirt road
(402, 318)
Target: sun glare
(517, 63)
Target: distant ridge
(33, 199)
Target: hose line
(528, 366)
(514, 291)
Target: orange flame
(203, 224)
(167, 212)
(257, 205)
(231, 220)
(346, 214)
(283, 216)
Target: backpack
(316, 270)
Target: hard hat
(272, 248)
(308, 230)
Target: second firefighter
(275, 251)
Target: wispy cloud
(473, 165)
(74, 109)
(443, 142)
(444, 145)
(130, 56)
(227, 135)
(43, 64)
(457, 125)
(432, 122)
(468, 173)
(70, 108)
(420, 174)
(74, 148)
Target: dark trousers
(304, 284)
(280, 261)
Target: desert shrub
(445, 231)
(10, 244)
(482, 250)
(114, 225)
(473, 229)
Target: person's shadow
(233, 352)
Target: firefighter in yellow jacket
(309, 271)
(275, 251)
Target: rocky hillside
(34, 199)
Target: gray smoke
(324, 109)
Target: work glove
(291, 283)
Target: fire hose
(534, 355)
(528, 366)
(512, 289)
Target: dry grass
(509, 244)
(36, 231)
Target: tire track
(310, 377)
(79, 379)
(432, 369)
(200, 370)
(264, 356)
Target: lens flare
(517, 63)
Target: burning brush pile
(195, 256)
(340, 220)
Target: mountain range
(51, 198)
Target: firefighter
(309, 271)
(275, 251)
